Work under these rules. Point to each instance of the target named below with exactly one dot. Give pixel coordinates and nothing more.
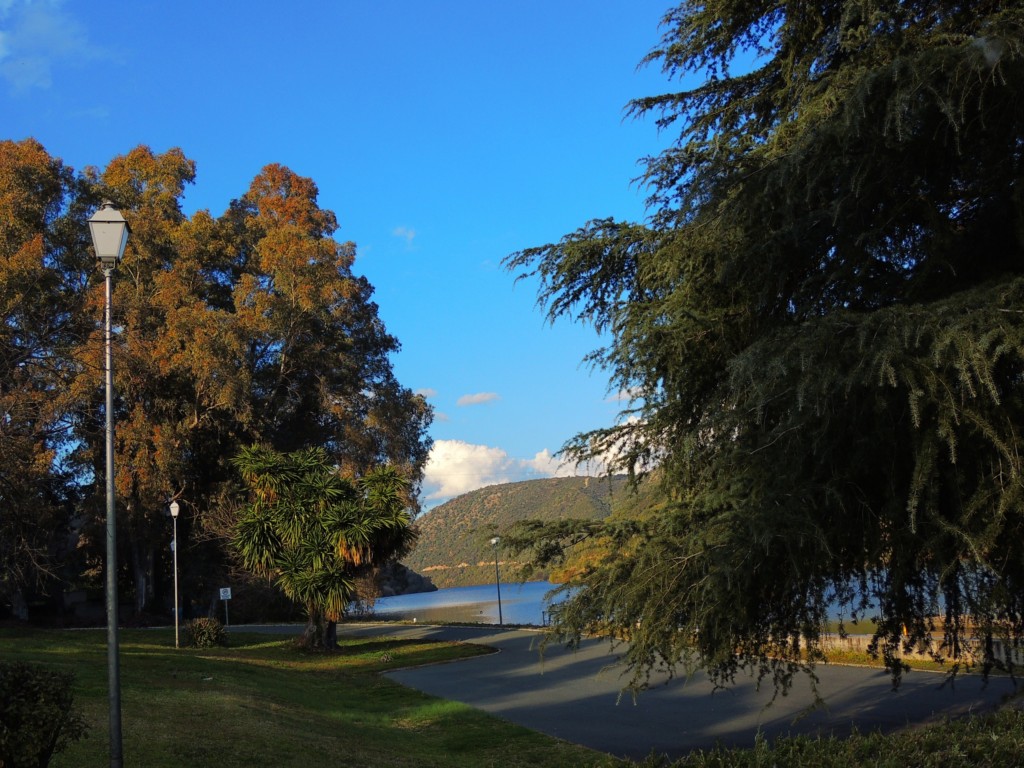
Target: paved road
(576, 697)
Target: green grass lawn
(262, 702)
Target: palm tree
(314, 532)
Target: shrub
(205, 633)
(37, 716)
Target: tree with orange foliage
(156, 401)
(315, 348)
(247, 328)
(40, 297)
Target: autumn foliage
(248, 327)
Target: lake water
(520, 604)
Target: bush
(205, 633)
(37, 716)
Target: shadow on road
(578, 695)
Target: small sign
(225, 593)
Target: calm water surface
(520, 604)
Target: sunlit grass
(263, 702)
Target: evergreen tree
(823, 326)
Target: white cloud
(456, 467)
(547, 465)
(478, 398)
(36, 37)
(625, 395)
(405, 233)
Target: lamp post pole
(174, 548)
(109, 232)
(497, 579)
(113, 660)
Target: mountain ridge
(454, 546)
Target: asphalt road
(577, 697)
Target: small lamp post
(174, 549)
(497, 579)
(109, 233)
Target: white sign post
(225, 595)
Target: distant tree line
(248, 328)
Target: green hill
(454, 546)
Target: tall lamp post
(109, 232)
(174, 549)
(497, 579)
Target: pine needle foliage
(823, 324)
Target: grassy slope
(263, 703)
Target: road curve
(576, 696)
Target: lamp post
(497, 580)
(109, 232)
(174, 549)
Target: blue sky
(445, 134)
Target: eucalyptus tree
(317, 353)
(823, 326)
(314, 532)
(154, 400)
(41, 295)
(247, 327)
(232, 330)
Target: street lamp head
(495, 540)
(174, 509)
(109, 232)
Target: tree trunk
(313, 636)
(19, 607)
(320, 634)
(142, 570)
(331, 636)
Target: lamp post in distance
(497, 579)
(174, 548)
(109, 232)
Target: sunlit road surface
(577, 696)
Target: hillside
(454, 547)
